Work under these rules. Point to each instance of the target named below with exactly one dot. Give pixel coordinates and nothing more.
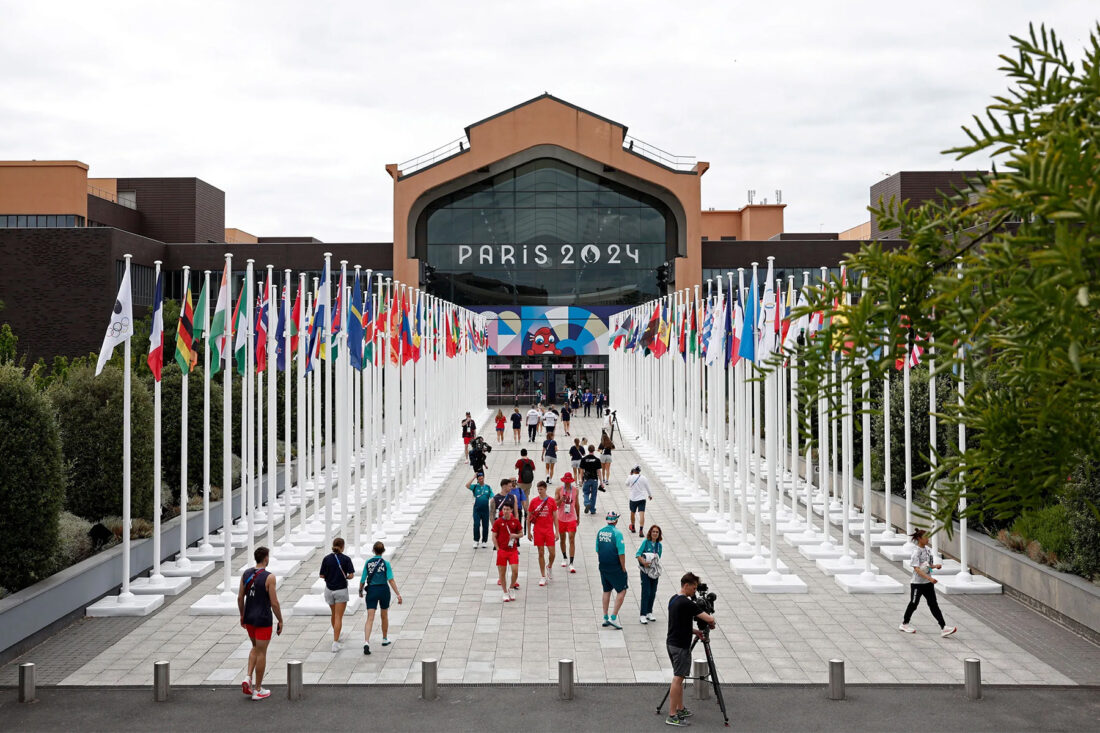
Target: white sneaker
(336, 646)
(484, 544)
(476, 545)
(260, 693)
(564, 562)
(505, 598)
(549, 571)
(643, 619)
(511, 595)
(571, 568)
(949, 630)
(907, 629)
(542, 581)
(651, 617)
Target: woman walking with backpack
(649, 559)
(377, 573)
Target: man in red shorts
(506, 533)
(542, 529)
(257, 603)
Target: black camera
(481, 445)
(705, 598)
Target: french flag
(156, 335)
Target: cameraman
(682, 614)
(477, 455)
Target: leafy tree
(1006, 271)
(32, 481)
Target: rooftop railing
(113, 198)
(434, 156)
(654, 153)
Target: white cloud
(293, 109)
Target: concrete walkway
(453, 612)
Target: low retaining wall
(27, 612)
(1069, 598)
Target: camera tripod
(711, 675)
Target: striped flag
(185, 353)
(155, 360)
(216, 335)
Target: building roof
(545, 95)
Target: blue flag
(355, 325)
(747, 350)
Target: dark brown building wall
(787, 253)
(297, 256)
(109, 214)
(58, 285)
(179, 209)
(916, 187)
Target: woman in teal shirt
(376, 574)
(648, 556)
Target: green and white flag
(216, 334)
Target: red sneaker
(246, 687)
(516, 586)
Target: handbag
(653, 569)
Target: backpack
(526, 472)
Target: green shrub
(1048, 527)
(1081, 499)
(32, 481)
(89, 412)
(918, 423)
(171, 466)
(73, 542)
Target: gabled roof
(545, 95)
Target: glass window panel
(609, 198)
(461, 225)
(70, 221)
(439, 226)
(22, 220)
(51, 220)
(651, 225)
(587, 181)
(608, 226)
(42, 220)
(525, 199)
(630, 225)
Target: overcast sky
(293, 109)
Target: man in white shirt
(533, 418)
(550, 420)
(638, 486)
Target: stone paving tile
(453, 612)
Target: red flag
(296, 319)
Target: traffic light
(664, 275)
(427, 277)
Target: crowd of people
(549, 520)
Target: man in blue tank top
(611, 551)
(257, 602)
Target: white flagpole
(367, 394)
(182, 561)
(156, 578)
(303, 412)
(865, 393)
(288, 481)
(328, 367)
(247, 444)
(205, 545)
(315, 390)
(932, 443)
(227, 442)
(125, 596)
(272, 419)
(342, 417)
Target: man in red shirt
(542, 515)
(506, 533)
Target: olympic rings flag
(121, 326)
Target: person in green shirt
(611, 551)
(377, 575)
(482, 494)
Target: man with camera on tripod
(683, 613)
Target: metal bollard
(565, 679)
(160, 681)
(26, 682)
(972, 669)
(429, 679)
(294, 680)
(699, 670)
(836, 679)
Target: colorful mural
(547, 330)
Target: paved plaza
(453, 612)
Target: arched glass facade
(545, 233)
